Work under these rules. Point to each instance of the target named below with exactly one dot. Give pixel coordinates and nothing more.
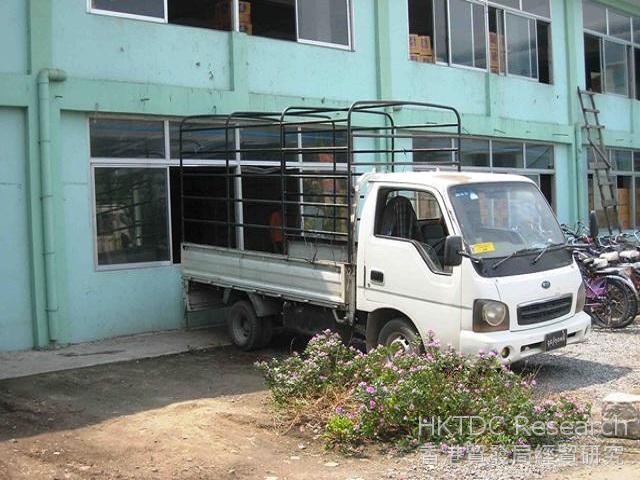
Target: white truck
(476, 259)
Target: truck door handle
(377, 276)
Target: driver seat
(399, 220)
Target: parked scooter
(611, 273)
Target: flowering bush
(438, 396)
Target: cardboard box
(623, 197)
(414, 44)
(424, 45)
(244, 8)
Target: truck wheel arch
(376, 320)
(264, 307)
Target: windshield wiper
(509, 257)
(545, 250)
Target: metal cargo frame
(376, 121)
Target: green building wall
(123, 66)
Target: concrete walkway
(120, 349)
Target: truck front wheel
(247, 331)
(400, 333)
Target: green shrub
(387, 396)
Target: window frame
(131, 16)
(339, 46)
(486, 4)
(630, 46)
(384, 189)
(129, 265)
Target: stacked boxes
(420, 49)
(624, 211)
(244, 10)
(494, 52)
(223, 15)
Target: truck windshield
(500, 218)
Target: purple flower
(371, 390)
(372, 404)
(339, 410)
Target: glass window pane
(131, 215)
(509, 3)
(539, 156)
(479, 37)
(636, 30)
(475, 153)
(201, 140)
(636, 161)
(622, 160)
(322, 138)
(461, 35)
(637, 185)
(520, 47)
(123, 138)
(593, 62)
(507, 155)
(440, 19)
(324, 21)
(616, 76)
(263, 144)
(147, 8)
(619, 25)
(594, 17)
(537, 7)
(434, 143)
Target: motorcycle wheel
(619, 308)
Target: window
(533, 160)
(131, 215)
(616, 76)
(147, 9)
(324, 21)
(124, 138)
(415, 216)
(518, 37)
(611, 58)
(626, 180)
(507, 155)
(522, 54)
(131, 192)
(204, 13)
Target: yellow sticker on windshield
(483, 248)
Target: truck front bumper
(514, 346)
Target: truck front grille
(544, 311)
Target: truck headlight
(490, 316)
(581, 298)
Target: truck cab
(478, 260)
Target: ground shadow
(76, 398)
(560, 373)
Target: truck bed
(320, 282)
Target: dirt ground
(201, 415)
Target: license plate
(555, 340)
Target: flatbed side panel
(320, 282)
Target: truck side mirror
(452, 247)
(593, 226)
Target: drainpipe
(46, 76)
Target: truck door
(404, 262)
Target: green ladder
(601, 165)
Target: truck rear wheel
(247, 331)
(399, 333)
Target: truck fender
(263, 306)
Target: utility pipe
(46, 76)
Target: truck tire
(246, 330)
(401, 332)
